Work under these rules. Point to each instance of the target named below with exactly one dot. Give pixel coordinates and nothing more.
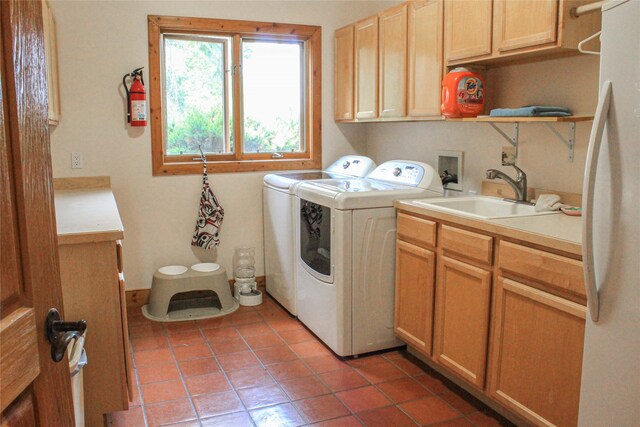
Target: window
(246, 93)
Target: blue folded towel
(531, 111)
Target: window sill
(195, 168)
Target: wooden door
(461, 332)
(343, 74)
(34, 390)
(393, 62)
(415, 275)
(366, 63)
(535, 365)
(425, 57)
(524, 23)
(467, 29)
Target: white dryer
(278, 204)
(345, 267)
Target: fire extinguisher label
(470, 91)
(138, 111)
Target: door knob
(61, 333)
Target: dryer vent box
(450, 169)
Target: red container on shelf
(462, 94)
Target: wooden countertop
(556, 231)
(87, 215)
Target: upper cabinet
(524, 23)
(51, 57)
(424, 58)
(485, 31)
(467, 29)
(397, 60)
(393, 62)
(343, 73)
(366, 63)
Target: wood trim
(82, 183)
(136, 298)
(19, 363)
(311, 36)
(228, 26)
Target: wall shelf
(548, 122)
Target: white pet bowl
(205, 267)
(173, 270)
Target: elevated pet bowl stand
(172, 280)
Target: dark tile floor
(261, 367)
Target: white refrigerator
(610, 393)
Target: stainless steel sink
(480, 207)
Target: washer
(345, 263)
(279, 222)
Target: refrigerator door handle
(595, 140)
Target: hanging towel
(210, 216)
(312, 215)
(531, 111)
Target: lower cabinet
(415, 275)
(463, 294)
(93, 290)
(536, 360)
(510, 326)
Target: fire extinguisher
(136, 98)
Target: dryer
(345, 263)
(278, 204)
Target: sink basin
(480, 207)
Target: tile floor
(261, 367)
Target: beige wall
(570, 82)
(98, 42)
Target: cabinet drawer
(553, 270)
(467, 244)
(416, 230)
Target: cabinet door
(425, 57)
(343, 74)
(463, 294)
(51, 57)
(366, 63)
(536, 354)
(128, 361)
(467, 29)
(415, 271)
(524, 23)
(393, 62)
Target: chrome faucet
(519, 184)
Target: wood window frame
(310, 158)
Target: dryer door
(315, 234)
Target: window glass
(196, 95)
(272, 75)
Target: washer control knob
(397, 171)
(346, 164)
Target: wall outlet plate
(450, 164)
(76, 160)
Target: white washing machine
(279, 222)
(345, 264)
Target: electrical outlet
(76, 160)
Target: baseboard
(136, 298)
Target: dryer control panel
(358, 166)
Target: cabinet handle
(595, 141)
